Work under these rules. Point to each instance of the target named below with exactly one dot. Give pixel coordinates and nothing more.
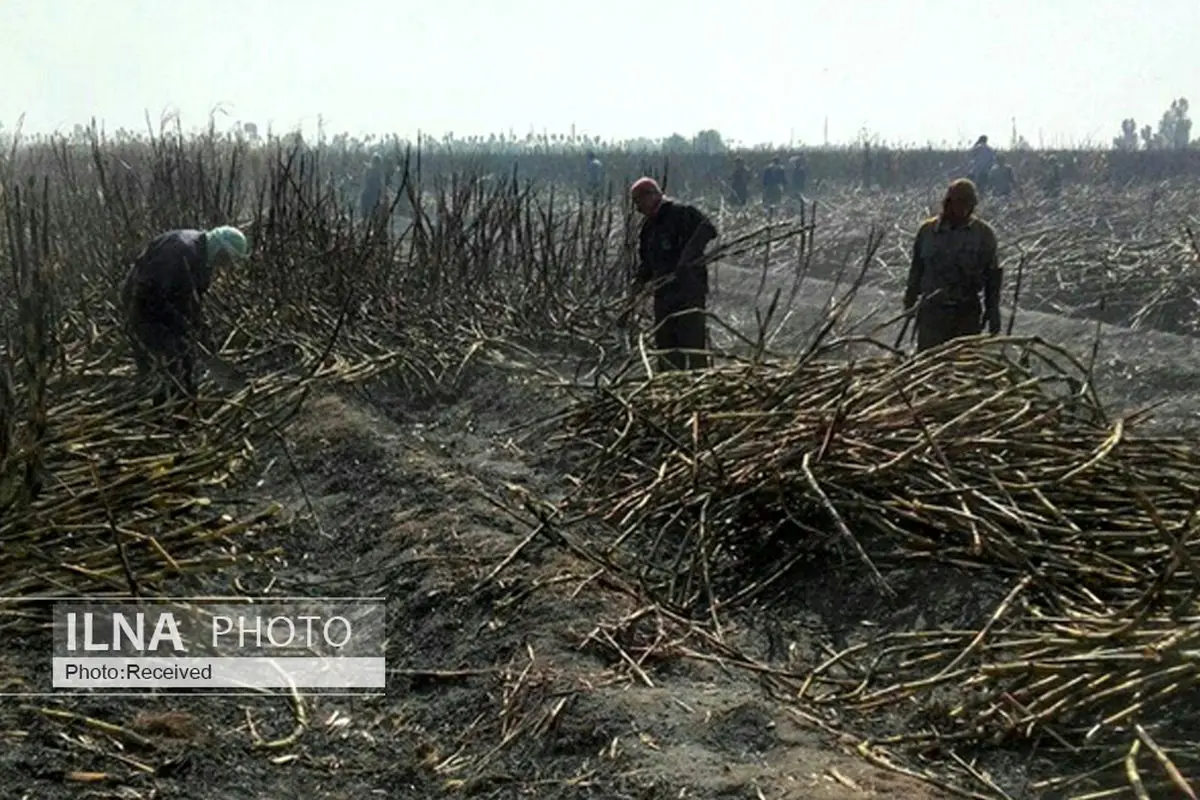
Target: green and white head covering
(228, 241)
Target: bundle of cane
(991, 454)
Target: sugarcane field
(842, 554)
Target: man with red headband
(671, 249)
(954, 261)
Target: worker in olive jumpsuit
(954, 279)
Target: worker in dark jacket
(372, 198)
(774, 183)
(671, 248)
(739, 183)
(799, 165)
(1052, 180)
(954, 261)
(162, 298)
(1003, 178)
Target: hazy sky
(757, 70)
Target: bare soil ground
(498, 686)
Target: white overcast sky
(757, 70)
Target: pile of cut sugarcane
(127, 496)
(103, 494)
(991, 454)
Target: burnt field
(826, 569)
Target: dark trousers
(938, 324)
(686, 330)
(165, 352)
(371, 203)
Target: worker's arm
(916, 270)
(196, 321)
(641, 274)
(703, 232)
(127, 289)
(191, 286)
(993, 279)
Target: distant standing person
(774, 183)
(887, 169)
(162, 297)
(1052, 180)
(595, 174)
(1003, 178)
(799, 180)
(670, 245)
(372, 191)
(954, 262)
(739, 182)
(980, 162)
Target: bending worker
(671, 247)
(954, 262)
(162, 298)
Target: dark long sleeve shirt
(662, 244)
(741, 180)
(167, 280)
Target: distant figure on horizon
(1052, 181)
(980, 161)
(670, 249)
(954, 261)
(1002, 177)
(887, 169)
(371, 198)
(595, 173)
(799, 165)
(774, 183)
(739, 182)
